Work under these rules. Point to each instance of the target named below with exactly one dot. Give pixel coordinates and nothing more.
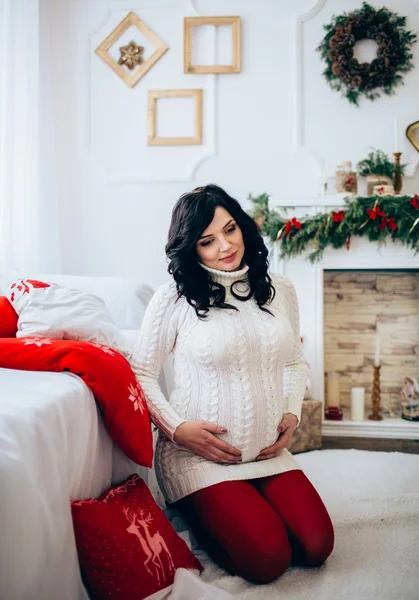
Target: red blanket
(107, 374)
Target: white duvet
(53, 448)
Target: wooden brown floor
(377, 444)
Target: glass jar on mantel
(346, 179)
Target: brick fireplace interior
(354, 302)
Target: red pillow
(127, 548)
(106, 372)
(8, 319)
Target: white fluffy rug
(373, 500)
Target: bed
(53, 448)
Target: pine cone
(348, 40)
(381, 79)
(382, 38)
(371, 32)
(365, 66)
(336, 69)
(354, 65)
(378, 64)
(356, 81)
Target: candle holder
(375, 396)
(397, 175)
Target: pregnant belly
(251, 440)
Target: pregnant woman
(233, 330)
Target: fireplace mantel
(308, 280)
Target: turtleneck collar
(227, 278)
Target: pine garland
(378, 219)
(345, 73)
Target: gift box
(308, 435)
(376, 180)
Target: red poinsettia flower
(415, 201)
(294, 222)
(391, 223)
(373, 213)
(338, 216)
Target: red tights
(256, 528)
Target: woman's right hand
(200, 438)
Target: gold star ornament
(131, 55)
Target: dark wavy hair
(192, 214)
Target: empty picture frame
(190, 23)
(160, 48)
(153, 139)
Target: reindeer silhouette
(131, 516)
(156, 541)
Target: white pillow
(125, 298)
(48, 310)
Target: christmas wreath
(375, 218)
(345, 73)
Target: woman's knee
(319, 548)
(266, 561)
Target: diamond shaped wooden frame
(134, 78)
(190, 23)
(152, 139)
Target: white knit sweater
(239, 369)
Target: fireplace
(312, 281)
(356, 305)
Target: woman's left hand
(285, 428)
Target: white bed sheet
(53, 448)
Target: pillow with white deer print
(126, 546)
(48, 310)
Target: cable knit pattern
(240, 369)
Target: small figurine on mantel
(410, 399)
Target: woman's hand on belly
(200, 438)
(285, 428)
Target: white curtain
(29, 202)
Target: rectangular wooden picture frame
(190, 23)
(153, 139)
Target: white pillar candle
(396, 135)
(333, 389)
(357, 403)
(377, 347)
